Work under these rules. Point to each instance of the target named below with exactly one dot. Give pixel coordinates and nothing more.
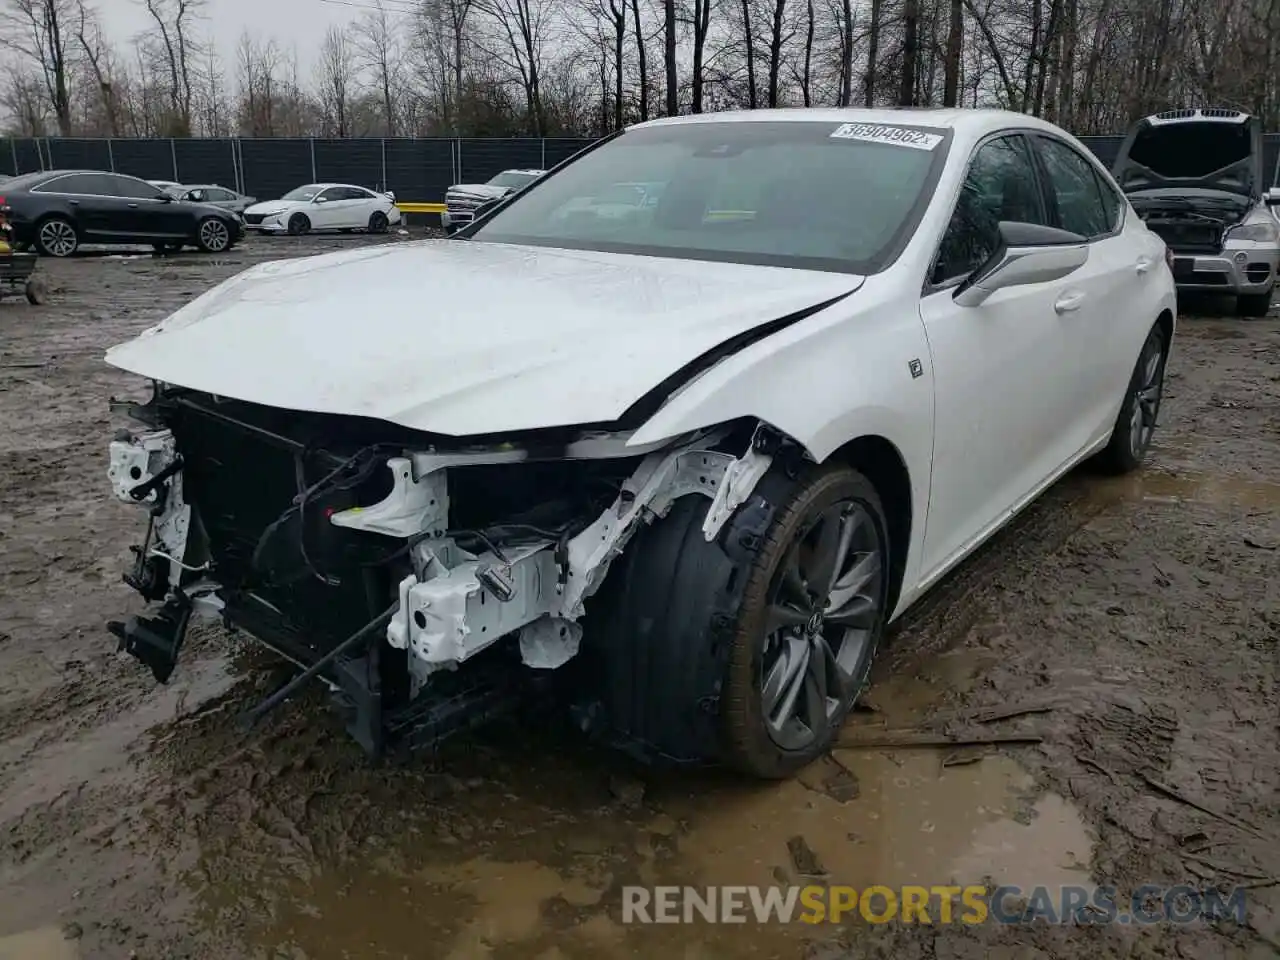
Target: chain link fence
(417, 169)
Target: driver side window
(1000, 185)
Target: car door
(1113, 284)
(1003, 382)
(98, 215)
(326, 209)
(358, 205)
(150, 213)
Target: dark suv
(58, 210)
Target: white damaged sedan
(325, 206)
(678, 466)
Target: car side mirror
(1026, 253)
(320, 200)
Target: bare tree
(259, 64)
(378, 42)
(175, 22)
(523, 28)
(336, 80)
(100, 59)
(38, 29)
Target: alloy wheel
(57, 237)
(1148, 391)
(214, 235)
(825, 602)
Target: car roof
(531, 172)
(206, 186)
(973, 121)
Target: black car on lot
(57, 210)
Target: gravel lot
(1139, 618)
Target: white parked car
(325, 206)
(691, 460)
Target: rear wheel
(57, 237)
(299, 224)
(378, 222)
(212, 235)
(1136, 422)
(1253, 304)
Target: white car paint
(986, 404)
(516, 370)
(327, 206)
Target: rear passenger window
(1075, 190)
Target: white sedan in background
(325, 206)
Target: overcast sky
(296, 24)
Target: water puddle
(47, 943)
(101, 755)
(547, 884)
(1195, 488)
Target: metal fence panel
(206, 161)
(274, 166)
(558, 149)
(419, 170)
(148, 159)
(350, 161)
(77, 154)
(483, 159)
(1104, 148)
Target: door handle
(74, 203)
(1144, 264)
(134, 205)
(1068, 302)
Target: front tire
(57, 237)
(1253, 304)
(299, 224)
(1136, 422)
(812, 617)
(213, 235)
(681, 662)
(378, 222)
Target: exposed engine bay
(1191, 224)
(381, 560)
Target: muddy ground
(1140, 618)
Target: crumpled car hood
(461, 337)
(486, 190)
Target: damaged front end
(429, 582)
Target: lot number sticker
(882, 133)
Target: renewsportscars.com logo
(1149, 904)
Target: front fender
(860, 368)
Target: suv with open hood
(1196, 178)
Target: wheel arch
(882, 463)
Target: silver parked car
(217, 196)
(463, 199)
(1196, 178)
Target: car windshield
(302, 193)
(826, 196)
(509, 179)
